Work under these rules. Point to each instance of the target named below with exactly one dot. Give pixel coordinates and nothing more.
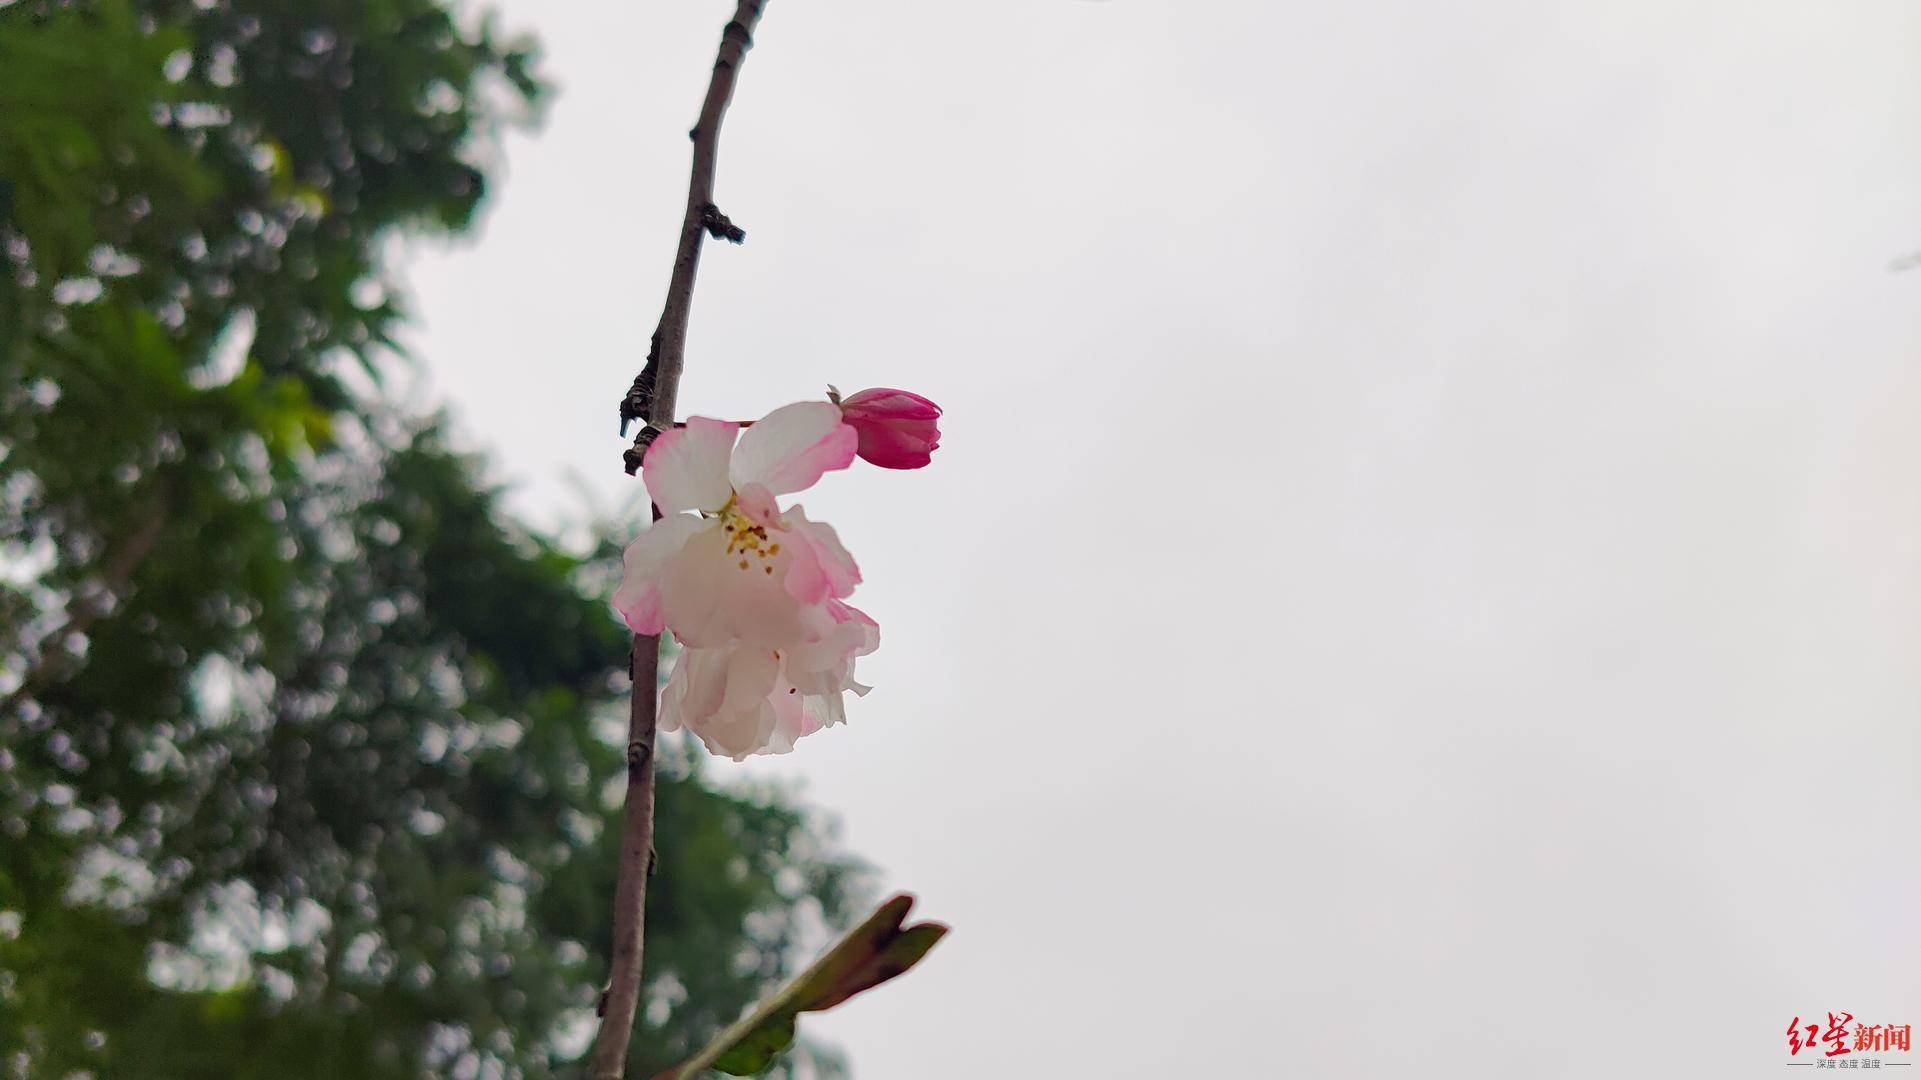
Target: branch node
(719, 227)
(639, 402)
(636, 454)
(639, 399)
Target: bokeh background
(1423, 573)
(1421, 579)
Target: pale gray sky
(1423, 578)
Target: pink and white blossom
(725, 565)
(744, 700)
(753, 592)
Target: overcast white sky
(1423, 578)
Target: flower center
(746, 541)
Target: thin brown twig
(652, 399)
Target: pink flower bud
(897, 430)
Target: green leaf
(877, 950)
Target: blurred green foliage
(309, 756)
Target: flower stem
(652, 399)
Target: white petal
(789, 448)
(825, 710)
(686, 468)
(791, 721)
(638, 597)
(721, 695)
(711, 600)
(680, 697)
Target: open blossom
(725, 564)
(898, 429)
(752, 592)
(743, 700)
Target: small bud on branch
(719, 227)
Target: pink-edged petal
(832, 635)
(863, 624)
(790, 448)
(686, 467)
(821, 567)
(637, 599)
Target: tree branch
(654, 391)
(651, 399)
